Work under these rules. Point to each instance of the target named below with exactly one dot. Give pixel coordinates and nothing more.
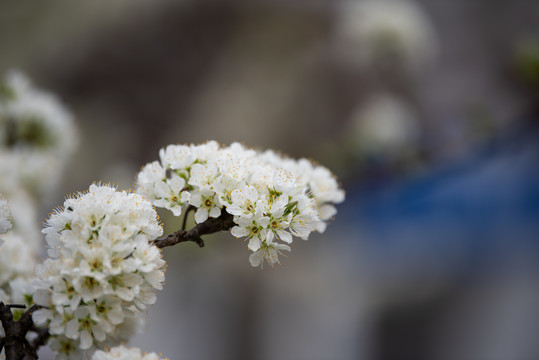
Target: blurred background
(426, 111)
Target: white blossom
(171, 194)
(203, 176)
(37, 135)
(271, 197)
(17, 259)
(386, 127)
(207, 204)
(65, 348)
(163, 191)
(387, 32)
(244, 201)
(255, 228)
(102, 269)
(25, 218)
(22, 290)
(149, 177)
(269, 251)
(124, 353)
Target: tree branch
(14, 342)
(222, 223)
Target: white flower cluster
(374, 31)
(17, 250)
(102, 270)
(37, 135)
(17, 261)
(271, 197)
(124, 353)
(385, 127)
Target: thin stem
(189, 209)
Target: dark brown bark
(14, 342)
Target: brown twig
(14, 342)
(212, 225)
(189, 209)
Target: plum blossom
(102, 271)
(396, 33)
(269, 251)
(37, 136)
(271, 197)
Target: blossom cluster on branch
(102, 270)
(272, 198)
(104, 262)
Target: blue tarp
(483, 206)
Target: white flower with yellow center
(253, 227)
(207, 203)
(203, 176)
(170, 194)
(244, 201)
